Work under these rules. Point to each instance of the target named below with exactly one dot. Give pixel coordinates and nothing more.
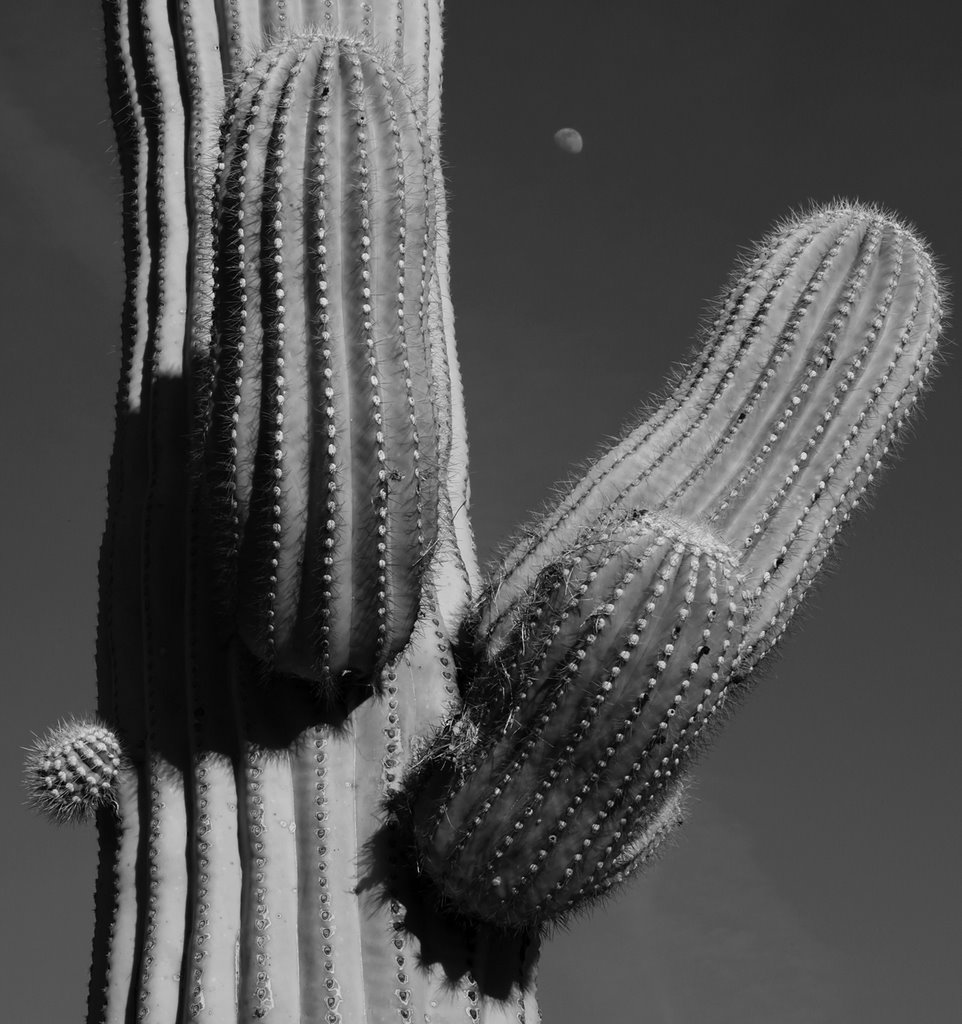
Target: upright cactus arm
(322, 449)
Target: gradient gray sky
(817, 878)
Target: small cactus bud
(72, 770)
(583, 719)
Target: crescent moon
(568, 140)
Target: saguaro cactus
(337, 778)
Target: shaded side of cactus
(322, 450)
(574, 733)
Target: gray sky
(817, 878)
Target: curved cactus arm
(322, 444)
(543, 791)
(641, 463)
(830, 327)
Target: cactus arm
(773, 327)
(543, 792)
(322, 442)
(831, 460)
(754, 301)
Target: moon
(568, 140)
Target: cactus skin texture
(317, 818)
(322, 450)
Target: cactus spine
(287, 554)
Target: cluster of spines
(578, 725)
(72, 770)
(322, 436)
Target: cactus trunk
(248, 872)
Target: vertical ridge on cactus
(119, 620)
